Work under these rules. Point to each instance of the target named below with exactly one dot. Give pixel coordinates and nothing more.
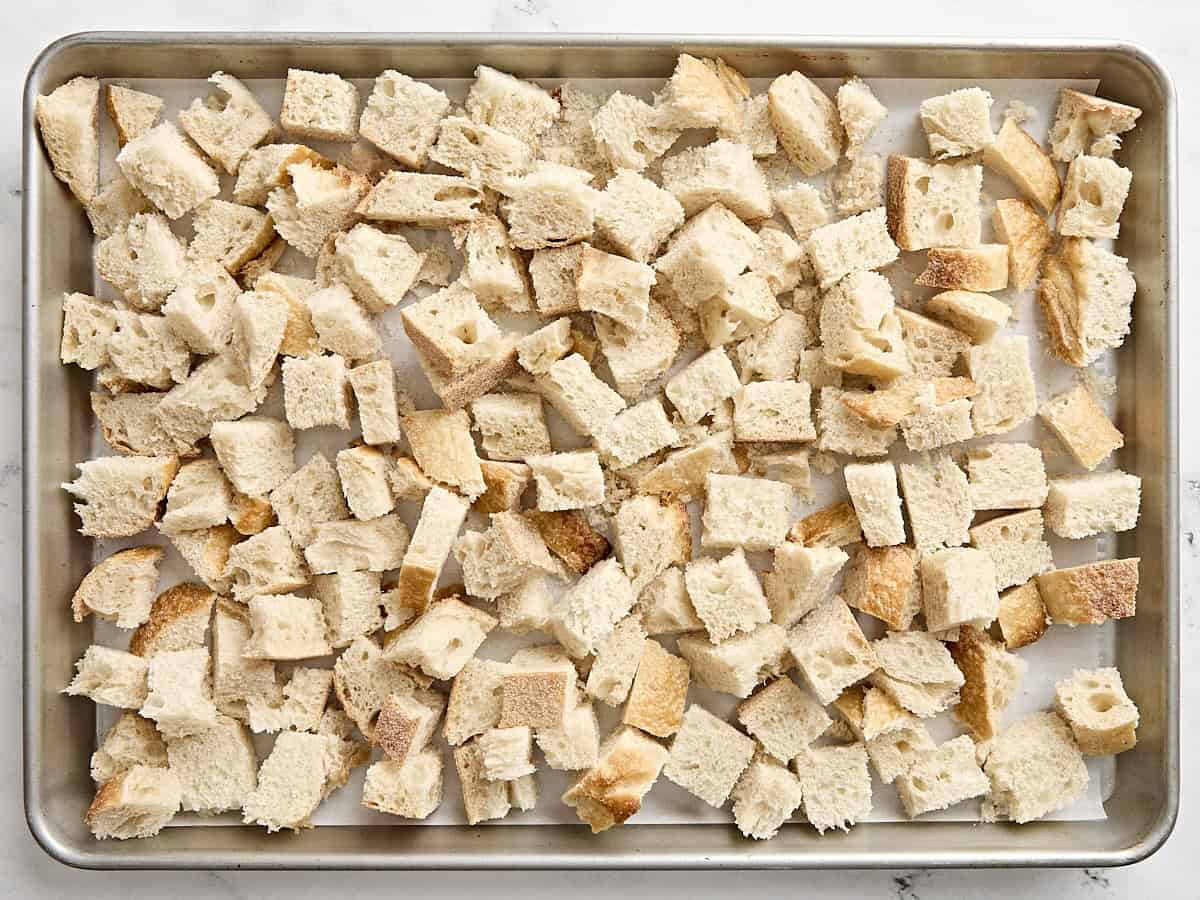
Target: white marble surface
(1168, 32)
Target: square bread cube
(549, 206)
(665, 607)
(302, 704)
(1035, 768)
(726, 595)
(451, 329)
(802, 206)
(528, 608)
(401, 117)
(746, 307)
(783, 718)
(1015, 544)
(636, 433)
(649, 535)
(800, 580)
(512, 426)
(1079, 506)
(855, 244)
(1078, 421)
(980, 268)
(1022, 616)
(442, 639)
(350, 602)
(740, 663)
(179, 693)
(840, 430)
(1090, 594)
(535, 697)
(939, 502)
(226, 128)
(507, 753)
(567, 480)
(979, 316)
(474, 703)
(164, 166)
(830, 649)
(427, 201)
(285, 626)
(703, 385)
(940, 778)
(1093, 197)
(774, 411)
(229, 234)
(516, 107)
(363, 474)
(836, 786)
(1007, 396)
(860, 333)
(491, 267)
(552, 271)
(576, 745)
(442, 445)
(318, 202)
(591, 608)
(806, 123)
(112, 677)
(291, 782)
(959, 587)
(569, 537)
(933, 348)
(255, 452)
(876, 497)
(658, 694)
(504, 557)
(614, 286)
(442, 515)
(1006, 476)
(611, 791)
(316, 392)
(933, 427)
(933, 204)
(538, 351)
(958, 123)
(765, 797)
(379, 268)
(720, 172)
(616, 662)
(705, 255)
(1017, 156)
(708, 756)
(320, 106)
(751, 513)
(635, 215)
(412, 789)
(375, 545)
(483, 800)
(266, 563)
(586, 402)
(858, 184)
(1102, 717)
(884, 582)
(310, 496)
(363, 680)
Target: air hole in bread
(922, 184)
(1091, 193)
(946, 221)
(206, 300)
(919, 784)
(1102, 703)
(450, 194)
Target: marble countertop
(25, 871)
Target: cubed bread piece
(830, 649)
(665, 607)
(1102, 717)
(1015, 544)
(959, 587)
(726, 595)
(702, 385)
(407, 480)
(427, 201)
(483, 154)
(611, 791)
(512, 426)
(132, 741)
(773, 353)
(226, 127)
(527, 608)
(1078, 506)
(374, 386)
(745, 308)
(350, 602)
(591, 608)
(701, 93)
(299, 336)
(935, 426)
(68, 119)
(118, 496)
(179, 693)
(342, 325)
(136, 803)
(1090, 594)
(504, 557)
(442, 445)
(855, 244)
(316, 392)
(442, 639)
(707, 756)
(143, 350)
(168, 171)
(933, 348)
(876, 498)
(267, 563)
(1006, 476)
(121, 588)
(115, 204)
(832, 526)
(1035, 768)
(574, 745)
(1093, 197)
(1028, 238)
(1007, 396)
(516, 107)
(310, 496)
(802, 206)
(737, 665)
(933, 204)
(751, 513)
(636, 433)
(320, 106)
(538, 351)
(990, 675)
(406, 724)
(572, 388)
(783, 718)
(858, 184)
(412, 789)
(401, 117)
(354, 545)
(893, 752)
(683, 473)
(492, 269)
(534, 696)
(217, 769)
(705, 255)
(616, 662)
(840, 430)
(1085, 294)
(659, 691)
(958, 123)
(976, 315)
(569, 536)
(263, 168)
(859, 329)
(131, 425)
(800, 580)
(112, 677)
(88, 324)
(442, 515)
(145, 261)
(614, 286)
(721, 172)
(781, 260)
(940, 778)
(255, 452)
(567, 480)
(806, 122)
(1079, 422)
(318, 202)
(379, 268)
(860, 114)
(1019, 158)
(291, 782)
(200, 310)
(1022, 616)
(649, 535)
(348, 752)
(363, 680)
(884, 583)
(764, 798)
(178, 620)
(286, 626)
(237, 678)
(507, 753)
(206, 551)
(636, 216)
(836, 786)
(627, 132)
(1082, 119)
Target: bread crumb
(1020, 112)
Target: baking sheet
(1054, 657)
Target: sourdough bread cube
(112, 208)
(858, 184)
(1019, 158)
(267, 563)
(616, 662)
(627, 132)
(649, 535)
(860, 113)
(1102, 717)
(255, 452)
(856, 244)
(764, 798)
(535, 696)
(659, 691)
(217, 769)
(88, 324)
(291, 782)
(705, 255)
(876, 497)
(976, 315)
(753, 127)
(1015, 544)
(1007, 396)
(68, 119)
(145, 261)
(635, 216)
(266, 167)
(574, 390)
(981, 268)
(310, 496)
(611, 791)
(319, 202)
(884, 582)
(442, 515)
(614, 286)
(132, 741)
(229, 234)
(504, 557)
(800, 580)
(200, 310)
(836, 786)
(1006, 476)
(178, 620)
(567, 480)
(806, 123)
(119, 496)
(363, 680)
(553, 273)
(120, 588)
(840, 430)
(726, 595)
(1078, 421)
(664, 605)
(507, 753)
(516, 107)
(940, 778)
(286, 626)
(442, 445)
(894, 751)
(538, 351)
(591, 608)
(482, 799)
(299, 336)
(484, 154)
(683, 473)
(226, 127)
(737, 665)
(1090, 594)
(830, 649)
(131, 425)
(1035, 768)
(859, 329)
(636, 433)
(348, 751)
(959, 587)
(136, 803)
(707, 756)
(342, 325)
(802, 206)
(783, 718)
(379, 268)
(703, 385)
(1093, 197)
(427, 201)
(957, 124)
(813, 368)
(407, 480)
(1085, 294)
(835, 525)
(933, 427)
(412, 789)
(780, 260)
(745, 308)
(401, 117)
(1022, 616)
(933, 348)
(917, 658)
(550, 206)
(354, 545)
(505, 484)
(316, 392)
(701, 93)
(350, 603)
(1079, 506)
(112, 677)
(374, 386)
(206, 551)
(179, 693)
(1083, 118)
(442, 639)
(144, 350)
(320, 106)
(406, 724)
(527, 608)
(990, 677)
(721, 172)
(751, 513)
(512, 426)
(167, 170)
(773, 353)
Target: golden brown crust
(849, 705)
(1059, 304)
(950, 388)
(183, 601)
(570, 538)
(881, 714)
(659, 693)
(107, 796)
(394, 730)
(975, 708)
(1091, 594)
(881, 581)
(535, 699)
(503, 485)
(611, 792)
(1021, 159)
(134, 555)
(833, 526)
(963, 269)
(897, 200)
(1022, 615)
(457, 391)
(250, 271)
(1028, 238)
(250, 515)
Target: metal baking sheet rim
(877, 845)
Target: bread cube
(751, 513)
(721, 172)
(427, 201)
(933, 204)
(1085, 295)
(379, 268)
(803, 208)
(229, 234)
(236, 678)
(976, 315)
(933, 348)
(363, 474)
(701, 93)
(492, 269)
(981, 268)
(549, 206)
(958, 123)
(941, 778)
(856, 244)
(135, 803)
(316, 392)
(350, 602)
(860, 114)
(649, 535)
(635, 216)
(179, 693)
(683, 473)
(858, 184)
(591, 608)
(1090, 594)
(512, 426)
(88, 324)
(1078, 506)
(836, 786)
(1093, 197)
(119, 496)
(291, 782)
(286, 627)
(143, 350)
(412, 789)
(884, 583)
(354, 545)
(111, 209)
(611, 791)
(145, 261)
(217, 769)
(132, 741)
(876, 498)
(764, 798)
(574, 745)
(320, 106)
(120, 588)
(800, 580)
(659, 691)
(806, 122)
(738, 664)
(636, 433)
(310, 496)
(1079, 422)
(168, 171)
(840, 430)
(567, 480)
(405, 725)
(745, 308)
(627, 132)
(569, 537)
(67, 118)
(363, 680)
(707, 756)
(401, 117)
(991, 675)
(704, 256)
(1083, 119)
(553, 273)
(1006, 476)
(1021, 159)
(783, 718)
(342, 325)
(178, 620)
(442, 515)
(780, 260)
(665, 607)
(1093, 702)
(586, 402)
(830, 649)
(502, 558)
(1035, 768)
(267, 563)
(726, 595)
(318, 202)
(255, 452)
(442, 445)
(442, 639)
(535, 697)
(616, 662)
(959, 587)
(112, 677)
(859, 330)
(200, 310)
(702, 385)
(1028, 238)
(616, 287)
(938, 426)
(226, 127)
(516, 107)
(1022, 616)
(507, 753)
(1015, 544)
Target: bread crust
(172, 606)
(965, 269)
(834, 526)
(570, 537)
(1022, 615)
(883, 582)
(95, 578)
(1092, 593)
